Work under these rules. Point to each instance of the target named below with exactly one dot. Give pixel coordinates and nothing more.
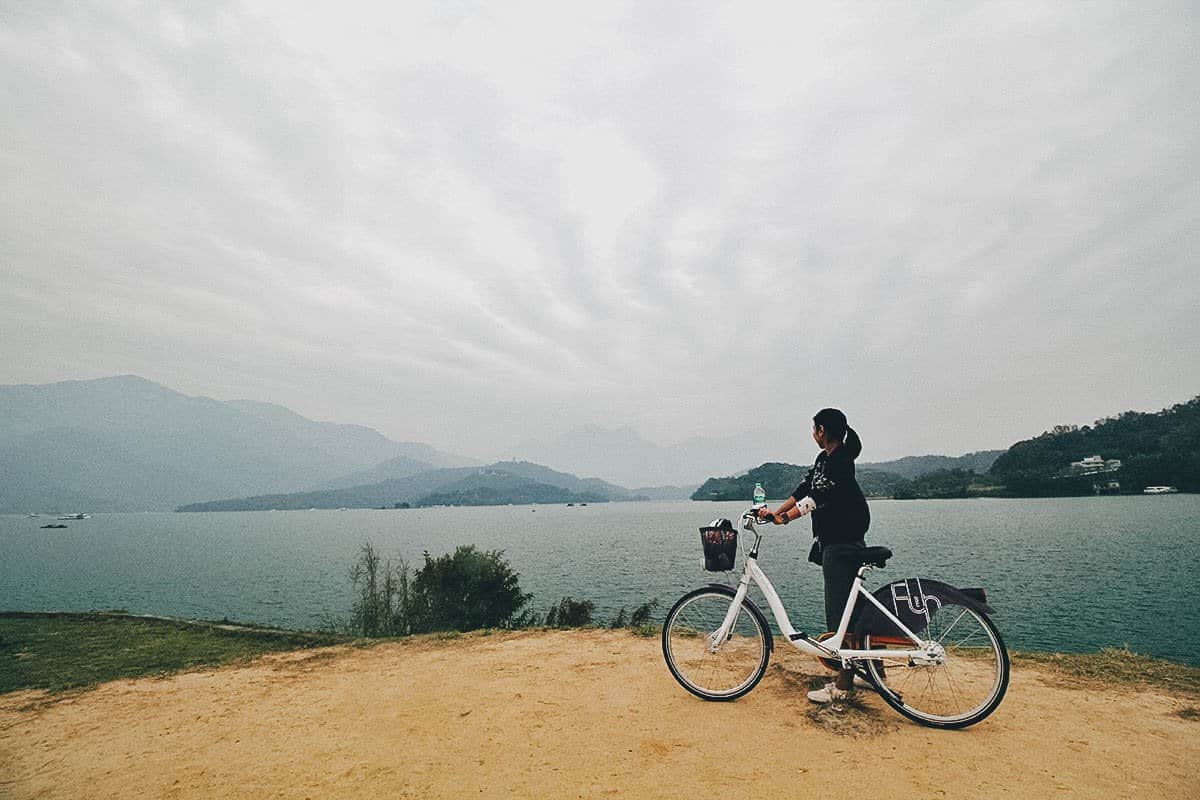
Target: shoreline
(567, 713)
(1108, 666)
(47, 515)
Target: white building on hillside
(1094, 465)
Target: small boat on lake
(53, 526)
(76, 516)
(1160, 490)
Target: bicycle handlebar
(750, 516)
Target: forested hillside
(915, 466)
(1156, 449)
(780, 479)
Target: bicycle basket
(719, 539)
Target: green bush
(570, 613)
(640, 617)
(466, 590)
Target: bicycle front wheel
(964, 688)
(714, 670)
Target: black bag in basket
(719, 539)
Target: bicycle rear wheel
(964, 689)
(715, 671)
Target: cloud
(469, 223)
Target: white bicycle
(928, 648)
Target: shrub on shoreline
(467, 590)
(639, 619)
(570, 613)
(384, 600)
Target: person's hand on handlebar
(775, 517)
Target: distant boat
(54, 526)
(1160, 490)
(32, 515)
(76, 516)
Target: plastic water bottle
(760, 496)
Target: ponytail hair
(852, 445)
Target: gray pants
(840, 566)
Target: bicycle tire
(974, 675)
(737, 665)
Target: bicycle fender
(910, 600)
(754, 609)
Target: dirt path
(565, 714)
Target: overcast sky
(471, 224)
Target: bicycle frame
(832, 648)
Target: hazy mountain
(426, 459)
(126, 443)
(665, 493)
(915, 466)
(348, 441)
(623, 456)
(563, 480)
(398, 467)
(502, 482)
(489, 488)
(383, 494)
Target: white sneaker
(828, 694)
(862, 683)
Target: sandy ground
(562, 715)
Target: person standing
(840, 519)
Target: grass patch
(1115, 667)
(56, 652)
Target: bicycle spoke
(717, 670)
(961, 689)
(946, 632)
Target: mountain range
(518, 482)
(128, 444)
(911, 467)
(623, 456)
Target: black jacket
(841, 514)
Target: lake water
(1062, 574)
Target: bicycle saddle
(875, 556)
